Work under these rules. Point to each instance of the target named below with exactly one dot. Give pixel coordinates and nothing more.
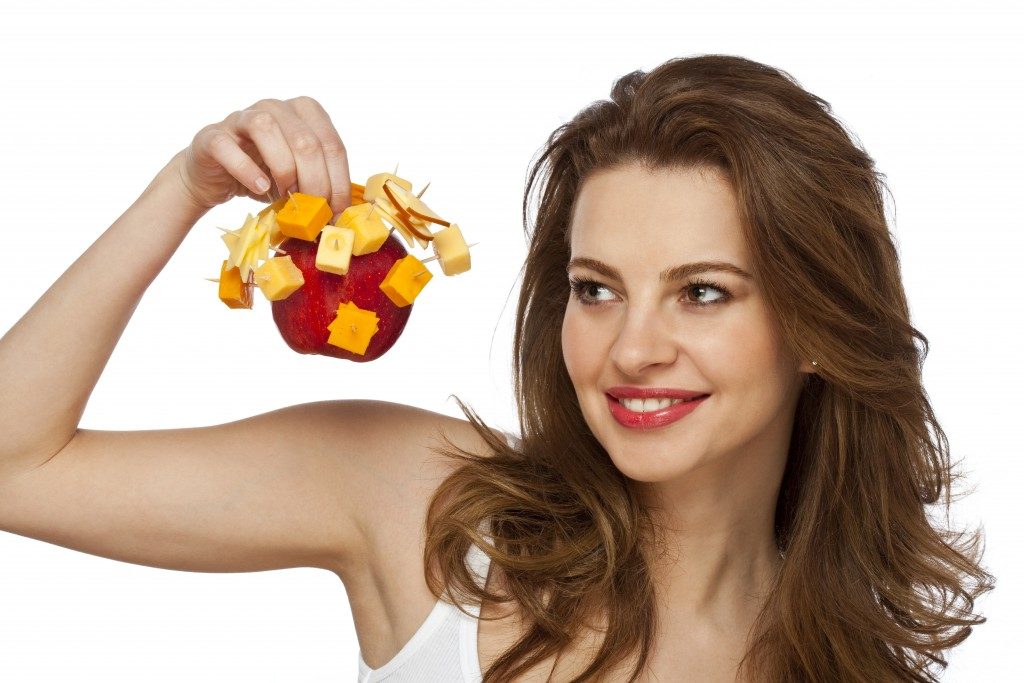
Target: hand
(288, 145)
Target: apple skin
(303, 316)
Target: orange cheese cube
(357, 193)
(303, 216)
(405, 280)
(352, 328)
(232, 291)
(278, 277)
(334, 251)
(366, 223)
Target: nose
(645, 339)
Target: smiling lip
(653, 392)
(654, 418)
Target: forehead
(665, 215)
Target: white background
(97, 96)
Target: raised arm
(276, 490)
(48, 375)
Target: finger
(311, 175)
(262, 129)
(335, 155)
(223, 148)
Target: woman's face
(640, 331)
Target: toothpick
(396, 169)
(212, 280)
(420, 273)
(472, 245)
(353, 327)
(428, 260)
(280, 251)
(336, 244)
(224, 229)
(423, 190)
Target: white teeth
(646, 405)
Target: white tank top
(444, 647)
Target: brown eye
(704, 286)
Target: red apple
(303, 316)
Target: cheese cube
(232, 291)
(405, 280)
(357, 193)
(279, 277)
(335, 249)
(451, 250)
(304, 216)
(352, 328)
(369, 228)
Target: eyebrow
(668, 275)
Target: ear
(805, 366)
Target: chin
(651, 468)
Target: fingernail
(262, 184)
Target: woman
(775, 530)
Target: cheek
(570, 342)
(582, 349)
(750, 358)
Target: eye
(580, 286)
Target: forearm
(52, 358)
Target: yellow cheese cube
(369, 228)
(232, 291)
(405, 280)
(352, 328)
(335, 249)
(304, 216)
(279, 277)
(451, 250)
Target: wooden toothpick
(423, 190)
(213, 280)
(396, 169)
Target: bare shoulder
(384, 579)
(401, 472)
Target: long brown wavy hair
(871, 588)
